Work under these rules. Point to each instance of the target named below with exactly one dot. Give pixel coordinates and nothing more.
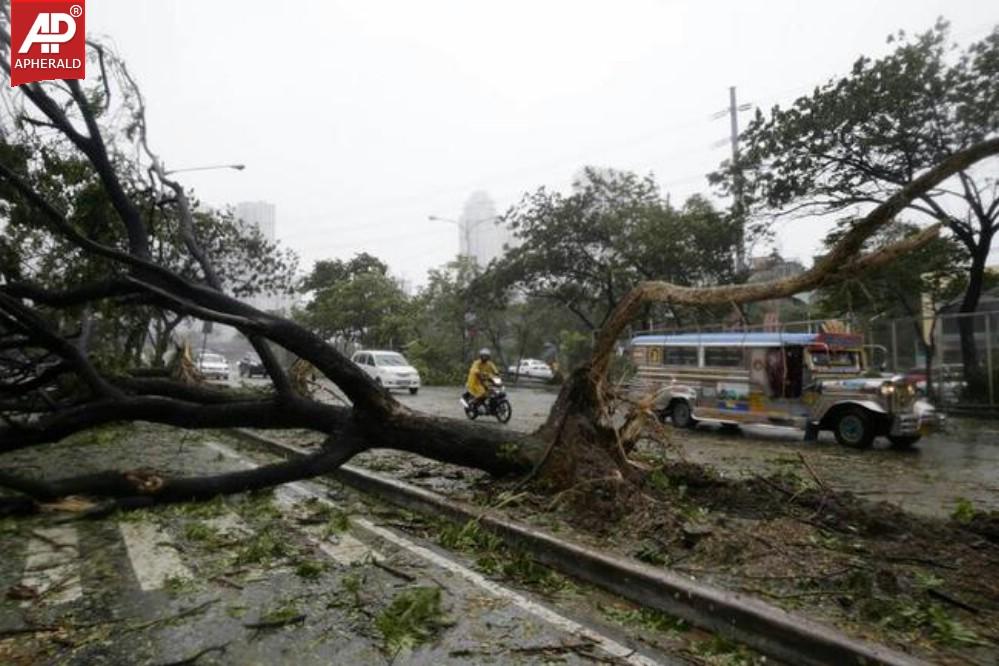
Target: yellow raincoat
(473, 384)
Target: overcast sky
(361, 119)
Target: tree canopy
(855, 139)
(584, 250)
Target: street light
(236, 167)
(465, 228)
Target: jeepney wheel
(681, 415)
(903, 441)
(854, 428)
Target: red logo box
(48, 40)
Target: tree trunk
(973, 374)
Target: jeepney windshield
(835, 359)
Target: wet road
(311, 573)
(962, 462)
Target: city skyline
(443, 110)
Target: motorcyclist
(479, 375)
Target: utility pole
(737, 203)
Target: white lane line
(228, 524)
(343, 548)
(607, 644)
(51, 567)
(153, 558)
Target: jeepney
(812, 381)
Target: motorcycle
(495, 403)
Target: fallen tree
(52, 386)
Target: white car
(389, 369)
(531, 368)
(213, 366)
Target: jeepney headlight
(887, 389)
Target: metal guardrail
(910, 342)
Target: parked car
(389, 369)
(251, 366)
(531, 368)
(213, 366)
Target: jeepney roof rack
(802, 326)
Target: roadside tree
(357, 302)
(584, 250)
(855, 140)
(52, 386)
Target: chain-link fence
(954, 357)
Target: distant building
(262, 215)
(480, 234)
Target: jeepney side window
(680, 356)
(724, 357)
(835, 358)
(654, 355)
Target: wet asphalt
(265, 578)
(960, 463)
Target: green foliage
(285, 613)
(310, 569)
(31, 254)
(724, 652)
(328, 273)
(414, 617)
(574, 349)
(469, 536)
(263, 547)
(859, 138)
(964, 510)
(357, 301)
(202, 532)
(352, 583)
(646, 618)
(921, 617)
(587, 249)
(937, 272)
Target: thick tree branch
(264, 413)
(156, 489)
(102, 289)
(823, 271)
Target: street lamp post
(465, 228)
(236, 167)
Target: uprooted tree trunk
(51, 388)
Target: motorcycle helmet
(484, 353)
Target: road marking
(346, 549)
(607, 644)
(228, 524)
(154, 559)
(51, 567)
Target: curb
(766, 628)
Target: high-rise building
(262, 215)
(481, 236)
